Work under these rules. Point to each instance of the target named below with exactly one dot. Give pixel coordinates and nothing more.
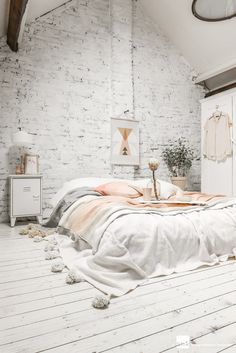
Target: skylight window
(214, 10)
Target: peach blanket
(92, 214)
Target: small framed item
(124, 141)
(31, 164)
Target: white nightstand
(25, 197)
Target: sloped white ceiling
(4, 10)
(36, 8)
(39, 7)
(209, 47)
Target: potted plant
(178, 157)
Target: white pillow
(77, 183)
(166, 189)
(141, 183)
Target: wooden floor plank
(35, 253)
(23, 266)
(30, 285)
(24, 275)
(231, 349)
(49, 302)
(10, 262)
(42, 294)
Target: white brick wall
(79, 65)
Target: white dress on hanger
(217, 141)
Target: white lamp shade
(22, 138)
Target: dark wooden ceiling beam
(221, 89)
(16, 14)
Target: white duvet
(135, 247)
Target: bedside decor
(153, 166)
(21, 138)
(31, 164)
(124, 141)
(178, 157)
(18, 169)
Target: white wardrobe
(219, 177)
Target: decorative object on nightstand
(31, 164)
(18, 169)
(21, 138)
(25, 197)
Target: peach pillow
(118, 188)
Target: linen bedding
(116, 243)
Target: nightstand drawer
(26, 196)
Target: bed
(115, 241)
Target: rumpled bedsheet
(116, 243)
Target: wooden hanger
(217, 113)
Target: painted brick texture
(80, 65)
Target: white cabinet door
(234, 145)
(217, 177)
(26, 194)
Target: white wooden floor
(40, 313)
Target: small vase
(151, 186)
(179, 181)
(147, 194)
(18, 169)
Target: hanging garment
(217, 139)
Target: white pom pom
(23, 231)
(50, 247)
(57, 266)
(234, 252)
(36, 233)
(50, 255)
(100, 302)
(52, 241)
(37, 239)
(31, 226)
(223, 258)
(73, 277)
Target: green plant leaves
(178, 157)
